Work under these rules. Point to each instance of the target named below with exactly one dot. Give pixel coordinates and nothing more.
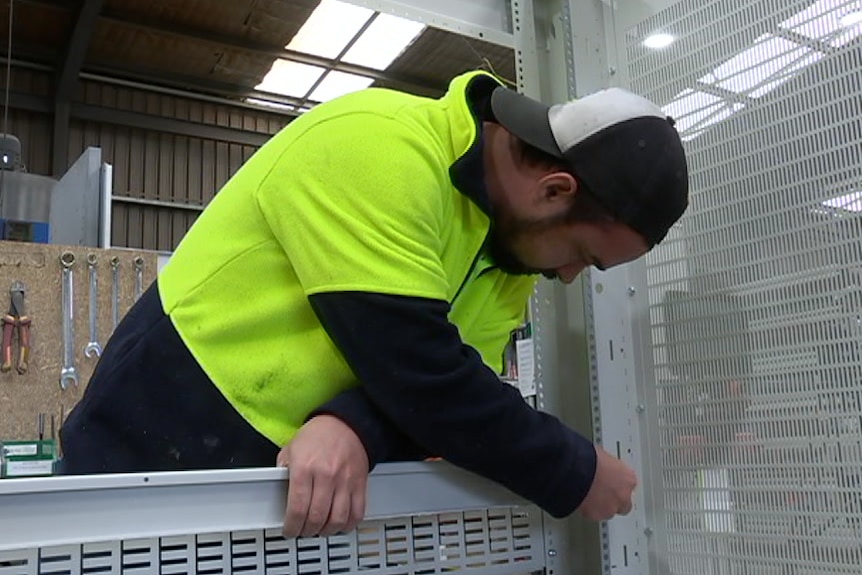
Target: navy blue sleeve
(420, 379)
(383, 442)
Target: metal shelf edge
(56, 511)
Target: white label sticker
(28, 468)
(19, 450)
(526, 367)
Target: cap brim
(525, 118)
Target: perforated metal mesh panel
(498, 542)
(756, 298)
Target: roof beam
(76, 50)
(142, 121)
(193, 87)
(67, 75)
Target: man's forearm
(383, 441)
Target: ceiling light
(851, 19)
(658, 41)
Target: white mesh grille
(495, 542)
(756, 296)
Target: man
(346, 299)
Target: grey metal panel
(75, 207)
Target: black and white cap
(622, 148)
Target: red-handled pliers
(17, 317)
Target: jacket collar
(470, 100)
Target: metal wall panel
(752, 307)
(33, 129)
(185, 166)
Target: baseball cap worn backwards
(623, 148)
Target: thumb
(283, 460)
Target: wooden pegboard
(24, 396)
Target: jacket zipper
(470, 272)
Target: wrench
(115, 290)
(93, 349)
(139, 277)
(69, 374)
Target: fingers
(282, 460)
(357, 505)
(339, 514)
(299, 494)
(322, 496)
(315, 506)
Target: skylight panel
(835, 21)
(330, 28)
(805, 59)
(688, 102)
(384, 40)
(849, 202)
(852, 28)
(767, 58)
(290, 78)
(337, 84)
(694, 111)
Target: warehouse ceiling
(288, 53)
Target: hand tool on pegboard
(68, 375)
(16, 317)
(93, 347)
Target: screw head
(632, 291)
(648, 531)
(552, 552)
(640, 408)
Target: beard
(500, 247)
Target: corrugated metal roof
(264, 21)
(438, 55)
(36, 25)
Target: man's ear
(558, 186)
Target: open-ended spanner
(93, 349)
(115, 291)
(68, 375)
(139, 277)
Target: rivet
(648, 531)
(640, 408)
(552, 552)
(632, 291)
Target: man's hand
(611, 493)
(328, 477)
